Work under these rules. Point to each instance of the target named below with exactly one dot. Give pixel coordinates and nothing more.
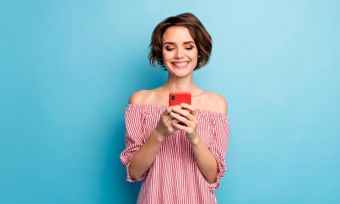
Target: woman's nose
(179, 53)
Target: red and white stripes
(174, 176)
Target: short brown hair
(197, 31)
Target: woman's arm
(145, 156)
(204, 158)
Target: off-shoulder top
(174, 177)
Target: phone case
(176, 98)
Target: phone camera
(173, 97)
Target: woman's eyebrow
(188, 42)
(172, 43)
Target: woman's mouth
(180, 64)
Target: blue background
(69, 67)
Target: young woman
(179, 151)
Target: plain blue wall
(69, 67)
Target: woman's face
(179, 51)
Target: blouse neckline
(164, 106)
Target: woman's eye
(170, 48)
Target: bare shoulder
(144, 97)
(139, 97)
(218, 102)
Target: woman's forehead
(177, 35)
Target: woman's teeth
(180, 64)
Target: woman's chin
(180, 73)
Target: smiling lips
(180, 64)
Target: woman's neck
(185, 84)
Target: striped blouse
(174, 177)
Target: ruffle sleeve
(218, 145)
(134, 137)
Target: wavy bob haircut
(197, 31)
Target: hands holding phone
(164, 126)
(179, 116)
(184, 118)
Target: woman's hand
(165, 124)
(185, 119)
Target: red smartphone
(176, 98)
